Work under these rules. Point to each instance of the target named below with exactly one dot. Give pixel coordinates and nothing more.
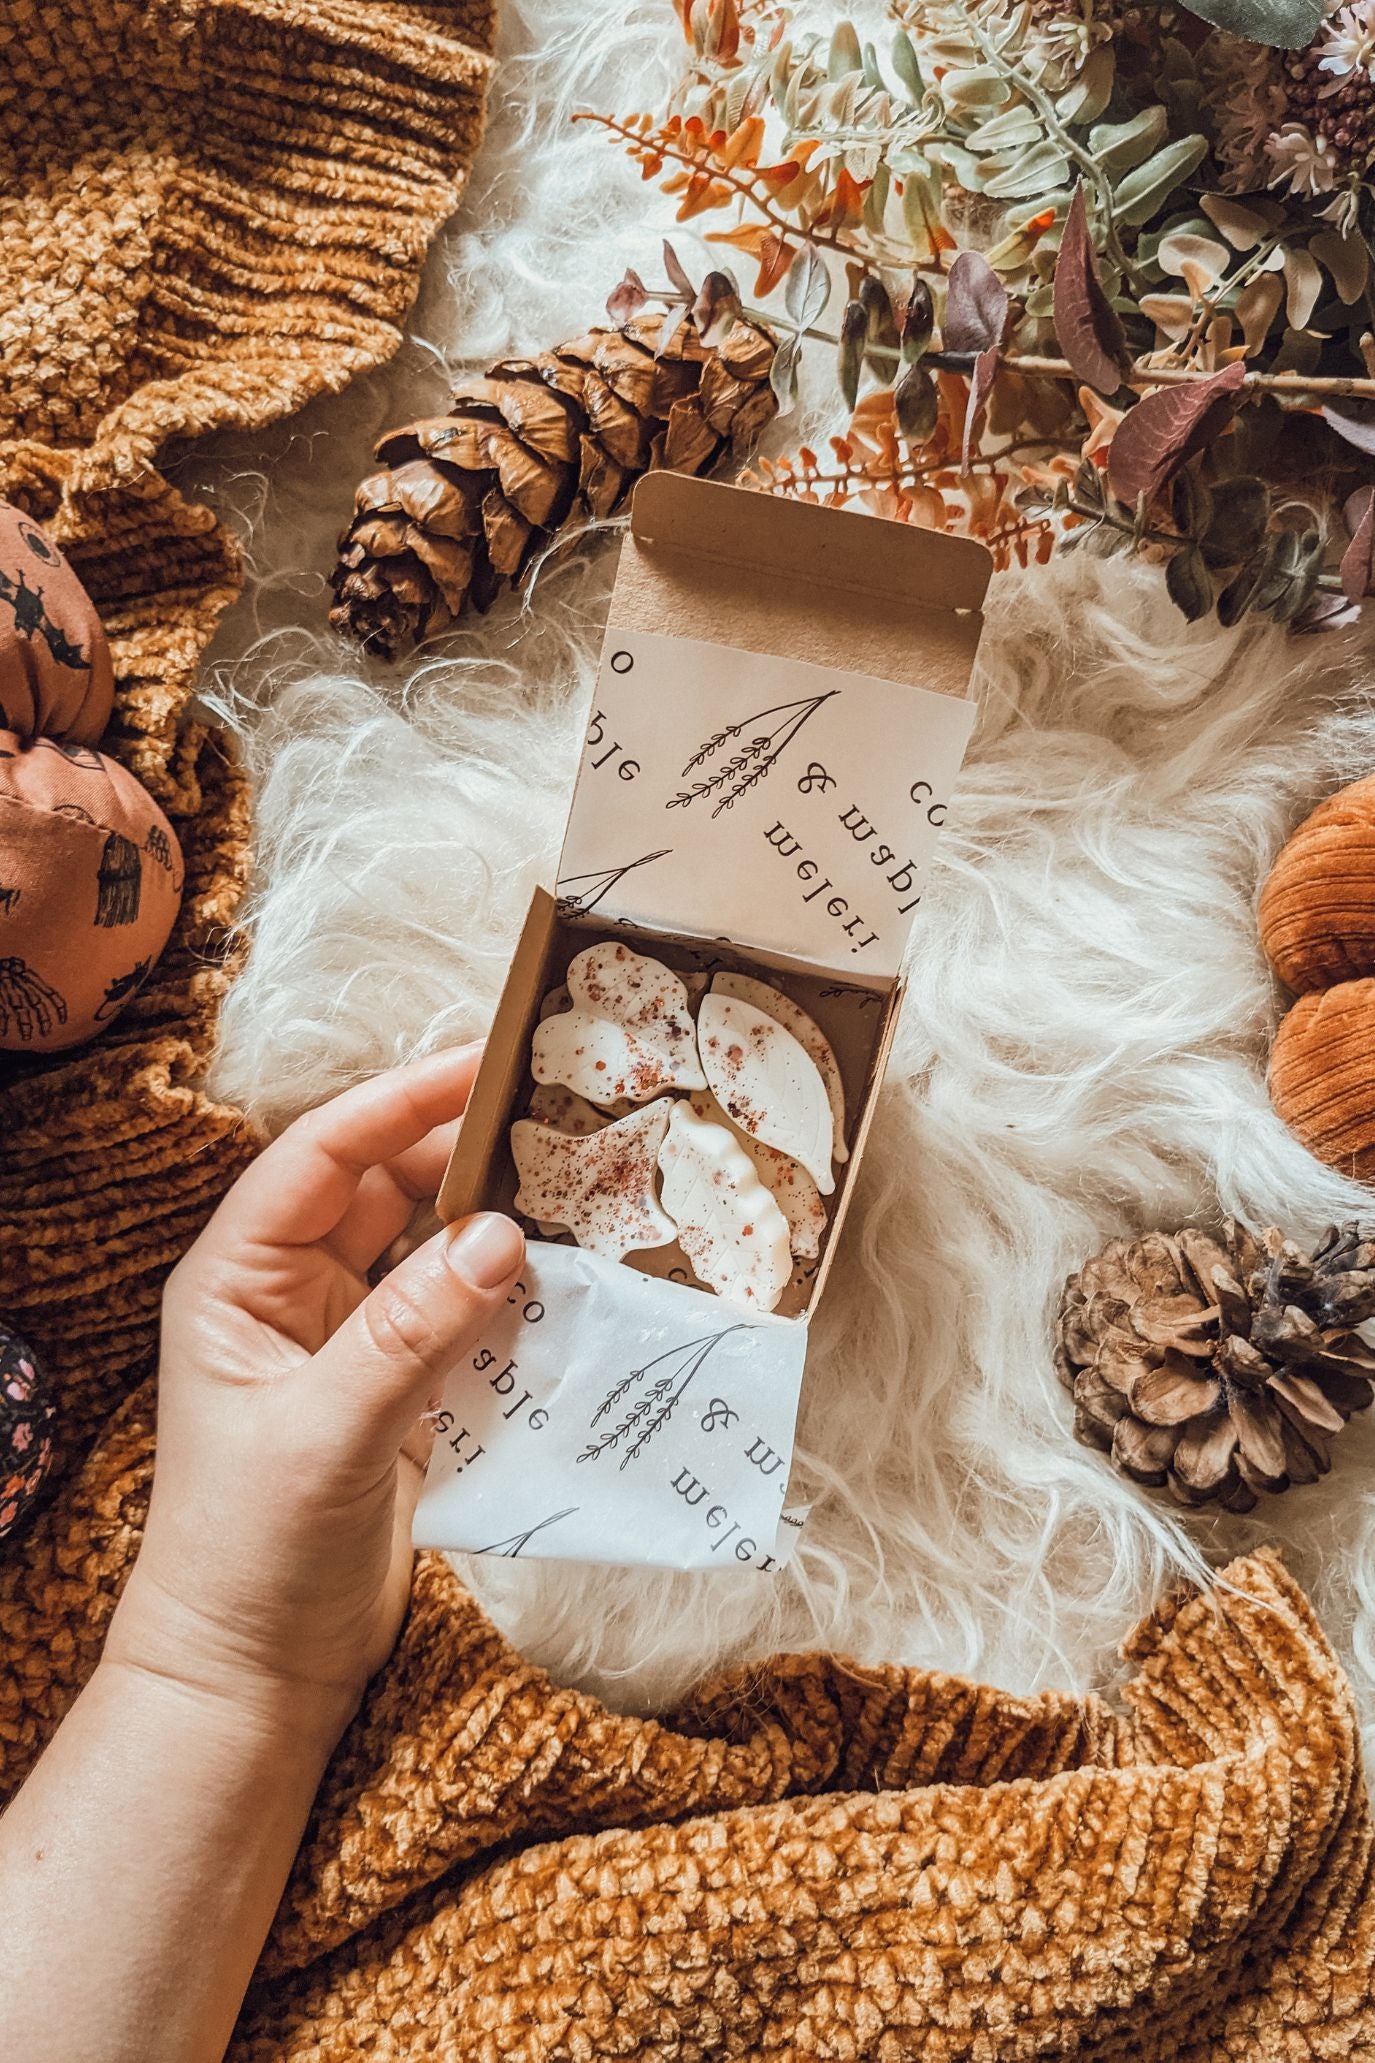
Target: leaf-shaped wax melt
(789, 1184)
(766, 1082)
(808, 1033)
(601, 1186)
(729, 1226)
(567, 1113)
(628, 1034)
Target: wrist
(158, 1639)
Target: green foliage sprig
(1082, 293)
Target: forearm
(140, 1867)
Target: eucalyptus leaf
(1122, 146)
(881, 328)
(921, 209)
(808, 287)
(1281, 24)
(1042, 166)
(783, 374)
(978, 86)
(854, 329)
(1242, 589)
(1144, 188)
(1188, 585)
(1009, 130)
(845, 54)
(1088, 97)
(1242, 226)
(876, 199)
(1236, 525)
(916, 404)
(903, 57)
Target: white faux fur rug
(1081, 1053)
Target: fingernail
(486, 1250)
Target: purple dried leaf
(1362, 435)
(1086, 323)
(977, 310)
(627, 299)
(677, 276)
(980, 387)
(1163, 432)
(1355, 570)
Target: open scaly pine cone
(532, 453)
(1219, 1368)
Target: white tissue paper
(651, 1424)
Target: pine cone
(538, 447)
(1219, 1368)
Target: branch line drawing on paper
(591, 888)
(655, 1407)
(511, 1547)
(754, 761)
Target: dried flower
(1301, 163)
(1347, 43)
(1025, 176)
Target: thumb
(390, 1358)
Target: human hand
(276, 1561)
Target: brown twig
(1339, 386)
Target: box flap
(779, 717)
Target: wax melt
(767, 1082)
(600, 1185)
(790, 1186)
(628, 1032)
(808, 1033)
(729, 1226)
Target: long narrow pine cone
(532, 452)
(1219, 1368)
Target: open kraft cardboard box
(780, 713)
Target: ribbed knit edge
(314, 150)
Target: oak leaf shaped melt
(628, 1034)
(600, 1185)
(790, 1186)
(808, 1033)
(767, 1083)
(729, 1226)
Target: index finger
(298, 1190)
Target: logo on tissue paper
(751, 762)
(643, 1420)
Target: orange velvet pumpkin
(1317, 927)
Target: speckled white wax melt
(729, 1226)
(767, 1083)
(628, 1033)
(601, 1185)
(809, 1035)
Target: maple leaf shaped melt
(601, 1185)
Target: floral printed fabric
(26, 1415)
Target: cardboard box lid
(778, 719)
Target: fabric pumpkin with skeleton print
(90, 884)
